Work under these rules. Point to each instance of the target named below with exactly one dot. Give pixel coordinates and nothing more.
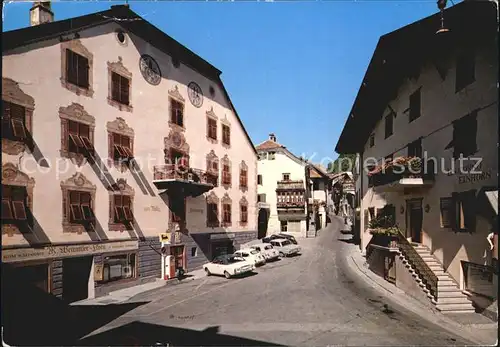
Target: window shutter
(469, 206)
(455, 212)
(83, 71)
(115, 86)
(125, 90)
(447, 208)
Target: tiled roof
(268, 144)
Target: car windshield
(232, 260)
(254, 252)
(286, 243)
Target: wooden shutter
(115, 86)
(82, 71)
(124, 90)
(447, 212)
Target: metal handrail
(419, 265)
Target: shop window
(177, 112)
(77, 69)
(284, 225)
(119, 267)
(120, 88)
(226, 135)
(14, 204)
(80, 207)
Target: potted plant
(384, 230)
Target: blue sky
(292, 68)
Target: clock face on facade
(150, 69)
(195, 94)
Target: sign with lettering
(196, 210)
(471, 178)
(50, 252)
(221, 236)
(98, 274)
(152, 209)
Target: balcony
(401, 174)
(185, 181)
(291, 205)
(290, 185)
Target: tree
(345, 162)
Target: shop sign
(165, 238)
(98, 274)
(221, 236)
(50, 252)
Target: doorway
(76, 273)
(178, 253)
(414, 219)
(36, 275)
(262, 224)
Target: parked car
(228, 265)
(280, 236)
(285, 247)
(267, 250)
(251, 255)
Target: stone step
(450, 288)
(443, 277)
(446, 283)
(449, 301)
(451, 294)
(467, 307)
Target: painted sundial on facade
(150, 69)
(195, 94)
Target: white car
(285, 247)
(251, 255)
(228, 265)
(267, 250)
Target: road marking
(187, 299)
(199, 285)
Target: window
(464, 211)
(194, 251)
(118, 267)
(389, 120)
(286, 177)
(371, 211)
(122, 147)
(226, 135)
(272, 155)
(243, 213)
(464, 136)
(226, 208)
(415, 105)
(315, 185)
(261, 198)
(226, 174)
(372, 140)
(465, 70)
(370, 168)
(77, 69)
(283, 225)
(212, 215)
(79, 138)
(177, 209)
(262, 156)
(14, 204)
(259, 179)
(80, 207)
(177, 112)
(212, 128)
(243, 178)
(415, 149)
(120, 88)
(13, 121)
(447, 212)
(123, 209)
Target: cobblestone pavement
(309, 300)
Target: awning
(492, 196)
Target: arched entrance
(262, 223)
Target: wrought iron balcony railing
(295, 204)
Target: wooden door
(414, 220)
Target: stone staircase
(448, 298)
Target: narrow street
(311, 299)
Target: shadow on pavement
(352, 241)
(146, 334)
(31, 316)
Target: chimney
(272, 137)
(40, 13)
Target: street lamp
(442, 5)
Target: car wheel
(207, 271)
(282, 255)
(226, 274)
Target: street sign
(165, 238)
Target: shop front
(70, 271)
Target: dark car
(280, 236)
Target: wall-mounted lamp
(442, 5)
(427, 208)
(402, 209)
